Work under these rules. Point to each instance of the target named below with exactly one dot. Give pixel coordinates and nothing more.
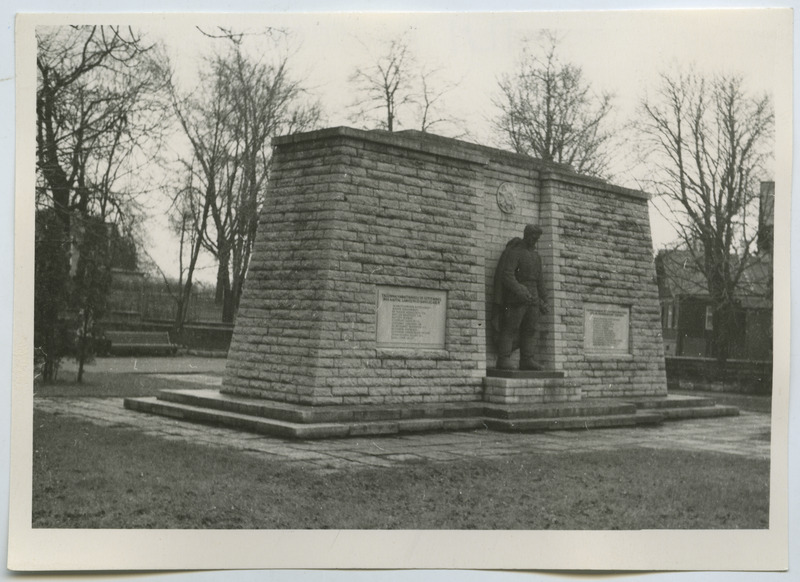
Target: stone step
(576, 422)
(224, 418)
(530, 390)
(537, 374)
(293, 421)
(295, 430)
(510, 383)
(685, 412)
(212, 398)
(303, 414)
(532, 396)
(557, 410)
(671, 401)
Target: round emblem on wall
(507, 197)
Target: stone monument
(369, 298)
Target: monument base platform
(527, 374)
(316, 422)
(533, 388)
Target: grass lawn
(86, 476)
(107, 385)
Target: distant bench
(140, 342)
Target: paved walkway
(746, 435)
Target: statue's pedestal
(528, 387)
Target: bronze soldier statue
(519, 299)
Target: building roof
(679, 276)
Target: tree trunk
(60, 187)
(228, 303)
(50, 366)
(224, 294)
(180, 316)
(81, 358)
(222, 274)
(54, 293)
(236, 298)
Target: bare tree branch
(99, 117)
(547, 110)
(244, 103)
(396, 92)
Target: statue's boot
(504, 363)
(529, 364)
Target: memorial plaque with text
(606, 329)
(411, 318)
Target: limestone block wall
(348, 212)
(602, 242)
(521, 175)
(596, 250)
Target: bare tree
(190, 224)
(188, 217)
(432, 112)
(98, 119)
(708, 143)
(384, 87)
(395, 91)
(99, 116)
(549, 111)
(230, 125)
(203, 117)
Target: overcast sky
(620, 52)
